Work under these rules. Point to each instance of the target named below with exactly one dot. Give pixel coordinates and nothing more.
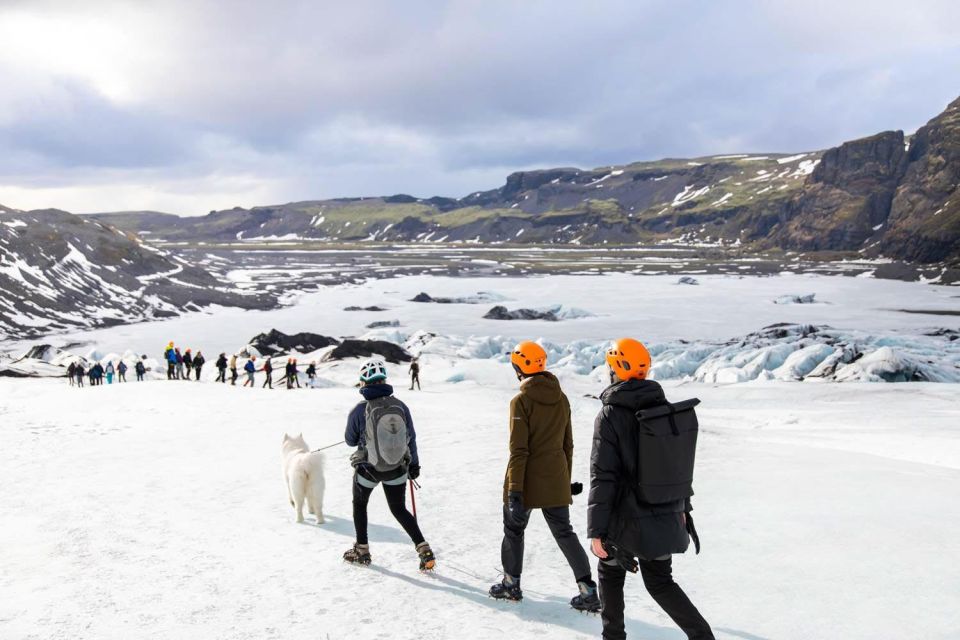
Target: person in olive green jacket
(538, 476)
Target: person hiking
(233, 370)
(97, 373)
(178, 372)
(382, 430)
(122, 371)
(415, 374)
(538, 476)
(140, 369)
(79, 372)
(222, 368)
(288, 372)
(71, 373)
(251, 369)
(311, 374)
(294, 374)
(110, 371)
(198, 362)
(625, 533)
(267, 369)
(187, 364)
(171, 358)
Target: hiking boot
(358, 554)
(587, 600)
(427, 560)
(507, 589)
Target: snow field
(158, 510)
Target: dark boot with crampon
(427, 560)
(507, 589)
(358, 554)
(587, 600)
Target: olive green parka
(541, 444)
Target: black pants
(139, 377)
(197, 370)
(558, 519)
(121, 376)
(415, 379)
(269, 381)
(396, 500)
(170, 371)
(658, 579)
(222, 376)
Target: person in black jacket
(140, 369)
(222, 368)
(268, 369)
(198, 362)
(626, 533)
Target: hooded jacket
(614, 512)
(541, 444)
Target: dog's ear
(286, 437)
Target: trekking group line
(639, 509)
(181, 365)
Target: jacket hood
(633, 394)
(542, 388)
(374, 391)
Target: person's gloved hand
(413, 471)
(515, 506)
(576, 488)
(358, 457)
(622, 558)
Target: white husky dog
(303, 471)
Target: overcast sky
(195, 105)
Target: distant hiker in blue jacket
(122, 371)
(171, 356)
(110, 371)
(251, 370)
(382, 430)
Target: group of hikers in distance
(76, 372)
(641, 472)
(180, 365)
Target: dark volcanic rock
(847, 195)
(502, 313)
(355, 308)
(277, 343)
(924, 223)
(380, 324)
(367, 349)
(688, 280)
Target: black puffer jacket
(615, 514)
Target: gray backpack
(386, 434)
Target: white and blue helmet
(373, 371)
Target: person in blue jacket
(251, 370)
(373, 378)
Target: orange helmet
(528, 358)
(628, 359)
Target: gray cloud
(201, 105)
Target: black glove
(576, 488)
(413, 471)
(626, 560)
(515, 507)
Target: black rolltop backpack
(667, 450)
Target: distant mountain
(882, 194)
(60, 271)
